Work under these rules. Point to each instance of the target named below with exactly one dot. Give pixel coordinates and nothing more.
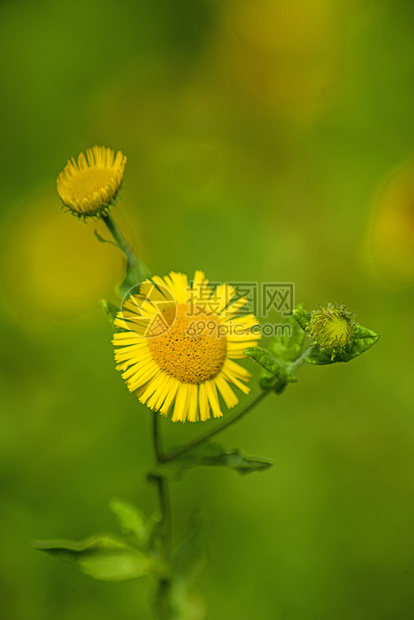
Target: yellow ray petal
(213, 398)
(181, 403)
(170, 397)
(225, 390)
(203, 402)
(192, 415)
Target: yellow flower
(180, 344)
(89, 186)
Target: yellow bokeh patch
(51, 263)
(392, 231)
(289, 54)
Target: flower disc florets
(332, 328)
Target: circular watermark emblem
(149, 309)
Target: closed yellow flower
(89, 187)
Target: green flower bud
(332, 328)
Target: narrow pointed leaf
(104, 557)
(110, 310)
(270, 364)
(209, 454)
(362, 340)
(303, 317)
(267, 381)
(102, 240)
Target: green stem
(238, 416)
(138, 268)
(162, 595)
(301, 360)
(163, 491)
(156, 437)
(218, 429)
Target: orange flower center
(193, 349)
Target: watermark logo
(259, 299)
(150, 309)
(278, 296)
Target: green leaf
(271, 364)
(110, 310)
(210, 454)
(303, 317)
(132, 521)
(104, 557)
(362, 340)
(117, 566)
(267, 381)
(288, 344)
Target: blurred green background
(266, 140)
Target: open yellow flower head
(89, 187)
(179, 344)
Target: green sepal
(288, 345)
(209, 454)
(362, 340)
(105, 557)
(110, 311)
(303, 317)
(273, 366)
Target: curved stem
(301, 360)
(136, 265)
(239, 415)
(218, 429)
